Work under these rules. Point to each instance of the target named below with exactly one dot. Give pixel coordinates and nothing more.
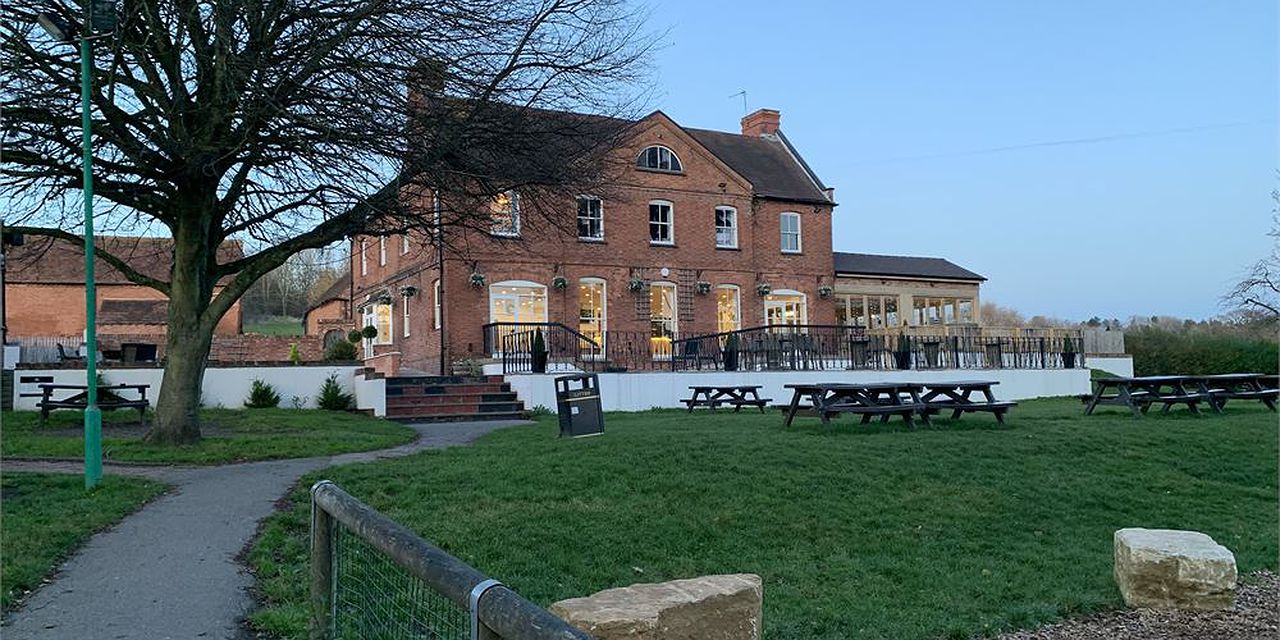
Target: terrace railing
(373, 578)
(566, 348)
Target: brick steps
(451, 398)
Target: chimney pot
(761, 122)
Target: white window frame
(733, 228)
(382, 251)
(670, 223)
(514, 231)
(436, 303)
(791, 293)
(437, 214)
(737, 306)
(364, 258)
(604, 309)
(675, 314)
(404, 243)
(371, 318)
(674, 164)
(404, 316)
(596, 238)
(782, 232)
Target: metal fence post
(322, 540)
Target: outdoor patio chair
(64, 357)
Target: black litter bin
(578, 403)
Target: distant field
(275, 326)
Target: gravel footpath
(1256, 615)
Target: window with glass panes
(726, 227)
(790, 225)
(661, 224)
(590, 218)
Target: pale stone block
(721, 607)
(1169, 569)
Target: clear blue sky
(868, 91)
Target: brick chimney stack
(761, 122)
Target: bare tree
(290, 125)
(1259, 290)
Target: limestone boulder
(720, 607)
(1170, 569)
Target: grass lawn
(962, 529)
(231, 435)
(47, 516)
(276, 327)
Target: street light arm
(115, 261)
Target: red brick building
(707, 231)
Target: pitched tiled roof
(767, 162)
(339, 290)
(43, 260)
(133, 312)
(904, 266)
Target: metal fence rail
(374, 579)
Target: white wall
(225, 387)
(641, 391)
(371, 393)
(1119, 365)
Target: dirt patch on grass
(1255, 615)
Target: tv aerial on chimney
(742, 93)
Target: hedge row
(1162, 352)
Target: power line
(1066, 142)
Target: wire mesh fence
(374, 579)
(375, 599)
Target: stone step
(457, 417)
(512, 406)
(399, 381)
(448, 389)
(450, 398)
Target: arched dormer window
(659, 158)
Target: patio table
(957, 397)
(1235, 386)
(715, 395)
(1138, 394)
(879, 398)
(108, 398)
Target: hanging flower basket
(560, 282)
(635, 284)
(763, 289)
(702, 287)
(409, 291)
(383, 299)
(825, 292)
(477, 279)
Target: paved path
(170, 570)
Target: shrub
(355, 336)
(295, 356)
(332, 397)
(369, 332)
(262, 396)
(541, 411)
(1161, 352)
(340, 350)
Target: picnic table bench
(715, 395)
(882, 399)
(1236, 386)
(1138, 394)
(957, 397)
(108, 398)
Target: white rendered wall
(371, 394)
(225, 387)
(642, 391)
(1117, 365)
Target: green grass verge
(966, 528)
(276, 327)
(47, 516)
(243, 435)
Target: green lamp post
(99, 17)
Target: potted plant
(560, 282)
(825, 291)
(408, 291)
(477, 279)
(635, 284)
(355, 336)
(1068, 353)
(902, 354)
(763, 289)
(538, 352)
(731, 352)
(369, 332)
(702, 287)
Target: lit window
(436, 302)
(662, 318)
(504, 214)
(727, 309)
(661, 224)
(382, 251)
(790, 223)
(659, 158)
(726, 227)
(364, 259)
(591, 314)
(379, 317)
(785, 308)
(590, 218)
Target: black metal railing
(564, 348)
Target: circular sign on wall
(664, 271)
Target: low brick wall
(237, 348)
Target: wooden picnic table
(1138, 394)
(957, 397)
(108, 398)
(716, 395)
(1236, 386)
(882, 399)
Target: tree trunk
(177, 418)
